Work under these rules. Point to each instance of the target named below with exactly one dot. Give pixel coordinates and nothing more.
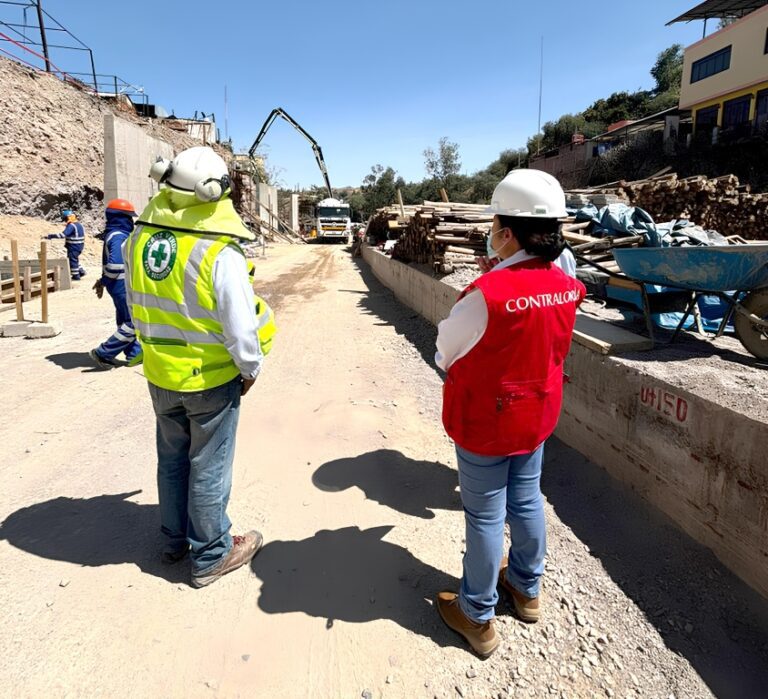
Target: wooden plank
(33, 277)
(27, 284)
(44, 280)
(460, 250)
(16, 280)
(600, 336)
(579, 238)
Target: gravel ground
(632, 606)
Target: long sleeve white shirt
(237, 311)
(468, 320)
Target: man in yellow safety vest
(192, 305)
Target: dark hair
(538, 236)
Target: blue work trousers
(195, 451)
(495, 489)
(124, 338)
(74, 250)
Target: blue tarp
(621, 221)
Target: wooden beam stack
(444, 232)
(719, 203)
(390, 222)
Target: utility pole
(43, 40)
(541, 89)
(226, 114)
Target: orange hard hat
(121, 205)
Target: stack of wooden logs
(719, 203)
(438, 233)
(389, 223)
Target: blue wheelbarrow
(736, 274)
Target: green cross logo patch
(159, 255)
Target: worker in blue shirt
(120, 214)
(74, 242)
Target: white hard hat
(199, 170)
(528, 193)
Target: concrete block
(39, 331)
(15, 328)
(128, 154)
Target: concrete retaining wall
(703, 465)
(128, 154)
(430, 297)
(268, 205)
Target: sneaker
(482, 637)
(244, 548)
(174, 555)
(526, 608)
(102, 362)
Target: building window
(736, 112)
(711, 65)
(761, 108)
(706, 119)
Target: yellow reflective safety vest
(169, 270)
(265, 317)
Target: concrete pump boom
(279, 112)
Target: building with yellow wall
(725, 77)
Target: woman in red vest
(503, 347)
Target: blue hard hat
(66, 213)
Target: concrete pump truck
(331, 220)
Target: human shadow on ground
(388, 477)
(355, 576)
(98, 531)
(378, 301)
(718, 623)
(73, 360)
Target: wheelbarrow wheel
(752, 336)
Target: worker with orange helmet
(120, 214)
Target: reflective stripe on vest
(173, 307)
(265, 316)
(265, 324)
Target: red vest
(504, 396)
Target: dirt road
(343, 465)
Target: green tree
(668, 70)
(443, 163)
(617, 107)
(357, 203)
(380, 188)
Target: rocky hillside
(52, 145)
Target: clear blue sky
(377, 82)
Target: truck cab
(332, 220)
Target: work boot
(101, 362)
(172, 555)
(482, 637)
(526, 608)
(244, 548)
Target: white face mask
(492, 252)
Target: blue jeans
(495, 488)
(195, 451)
(124, 338)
